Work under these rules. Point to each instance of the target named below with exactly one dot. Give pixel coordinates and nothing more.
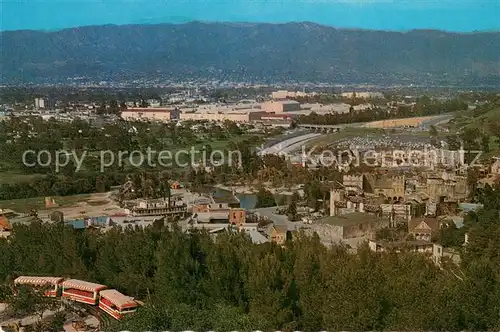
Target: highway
(294, 143)
(437, 120)
(288, 145)
(295, 133)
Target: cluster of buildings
(281, 106)
(9, 218)
(428, 192)
(44, 103)
(420, 204)
(363, 95)
(213, 214)
(240, 112)
(360, 207)
(221, 214)
(285, 94)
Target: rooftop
(6, 211)
(431, 222)
(286, 102)
(280, 228)
(402, 244)
(4, 223)
(205, 217)
(383, 183)
(148, 109)
(467, 207)
(218, 226)
(226, 199)
(257, 238)
(118, 298)
(354, 218)
(22, 220)
(82, 285)
(37, 280)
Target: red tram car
(116, 304)
(110, 301)
(52, 282)
(81, 291)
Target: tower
(335, 196)
(332, 203)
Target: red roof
(118, 298)
(4, 224)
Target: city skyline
(455, 16)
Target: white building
(39, 103)
(495, 168)
(432, 250)
(363, 95)
(284, 94)
(150, 113)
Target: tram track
(104, 319)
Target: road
(437, 120)
(289, 144)
(293, 134)
(296, 142)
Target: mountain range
(250, 52)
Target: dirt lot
(94, 205)
(73, 207)
(410, 122)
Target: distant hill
(246, 51)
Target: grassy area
(467, 119)
(38, 203)
(183, 158)
(97, 203)
(480, 124)
(15, 177)
(494, 150)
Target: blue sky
(457, 15)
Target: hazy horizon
(250, 23)
(461, 16)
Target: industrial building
(284, 94)
(363, 95)
(244, 115)
(280, 106)
(151, 113)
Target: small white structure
(495, 168)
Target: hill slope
(298, 51)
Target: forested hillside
(245, 52)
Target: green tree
(102, 109)
(292, 208)
(485, 143)
(264, 199)
(114, 108)
(29, 301)
(434, 135)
